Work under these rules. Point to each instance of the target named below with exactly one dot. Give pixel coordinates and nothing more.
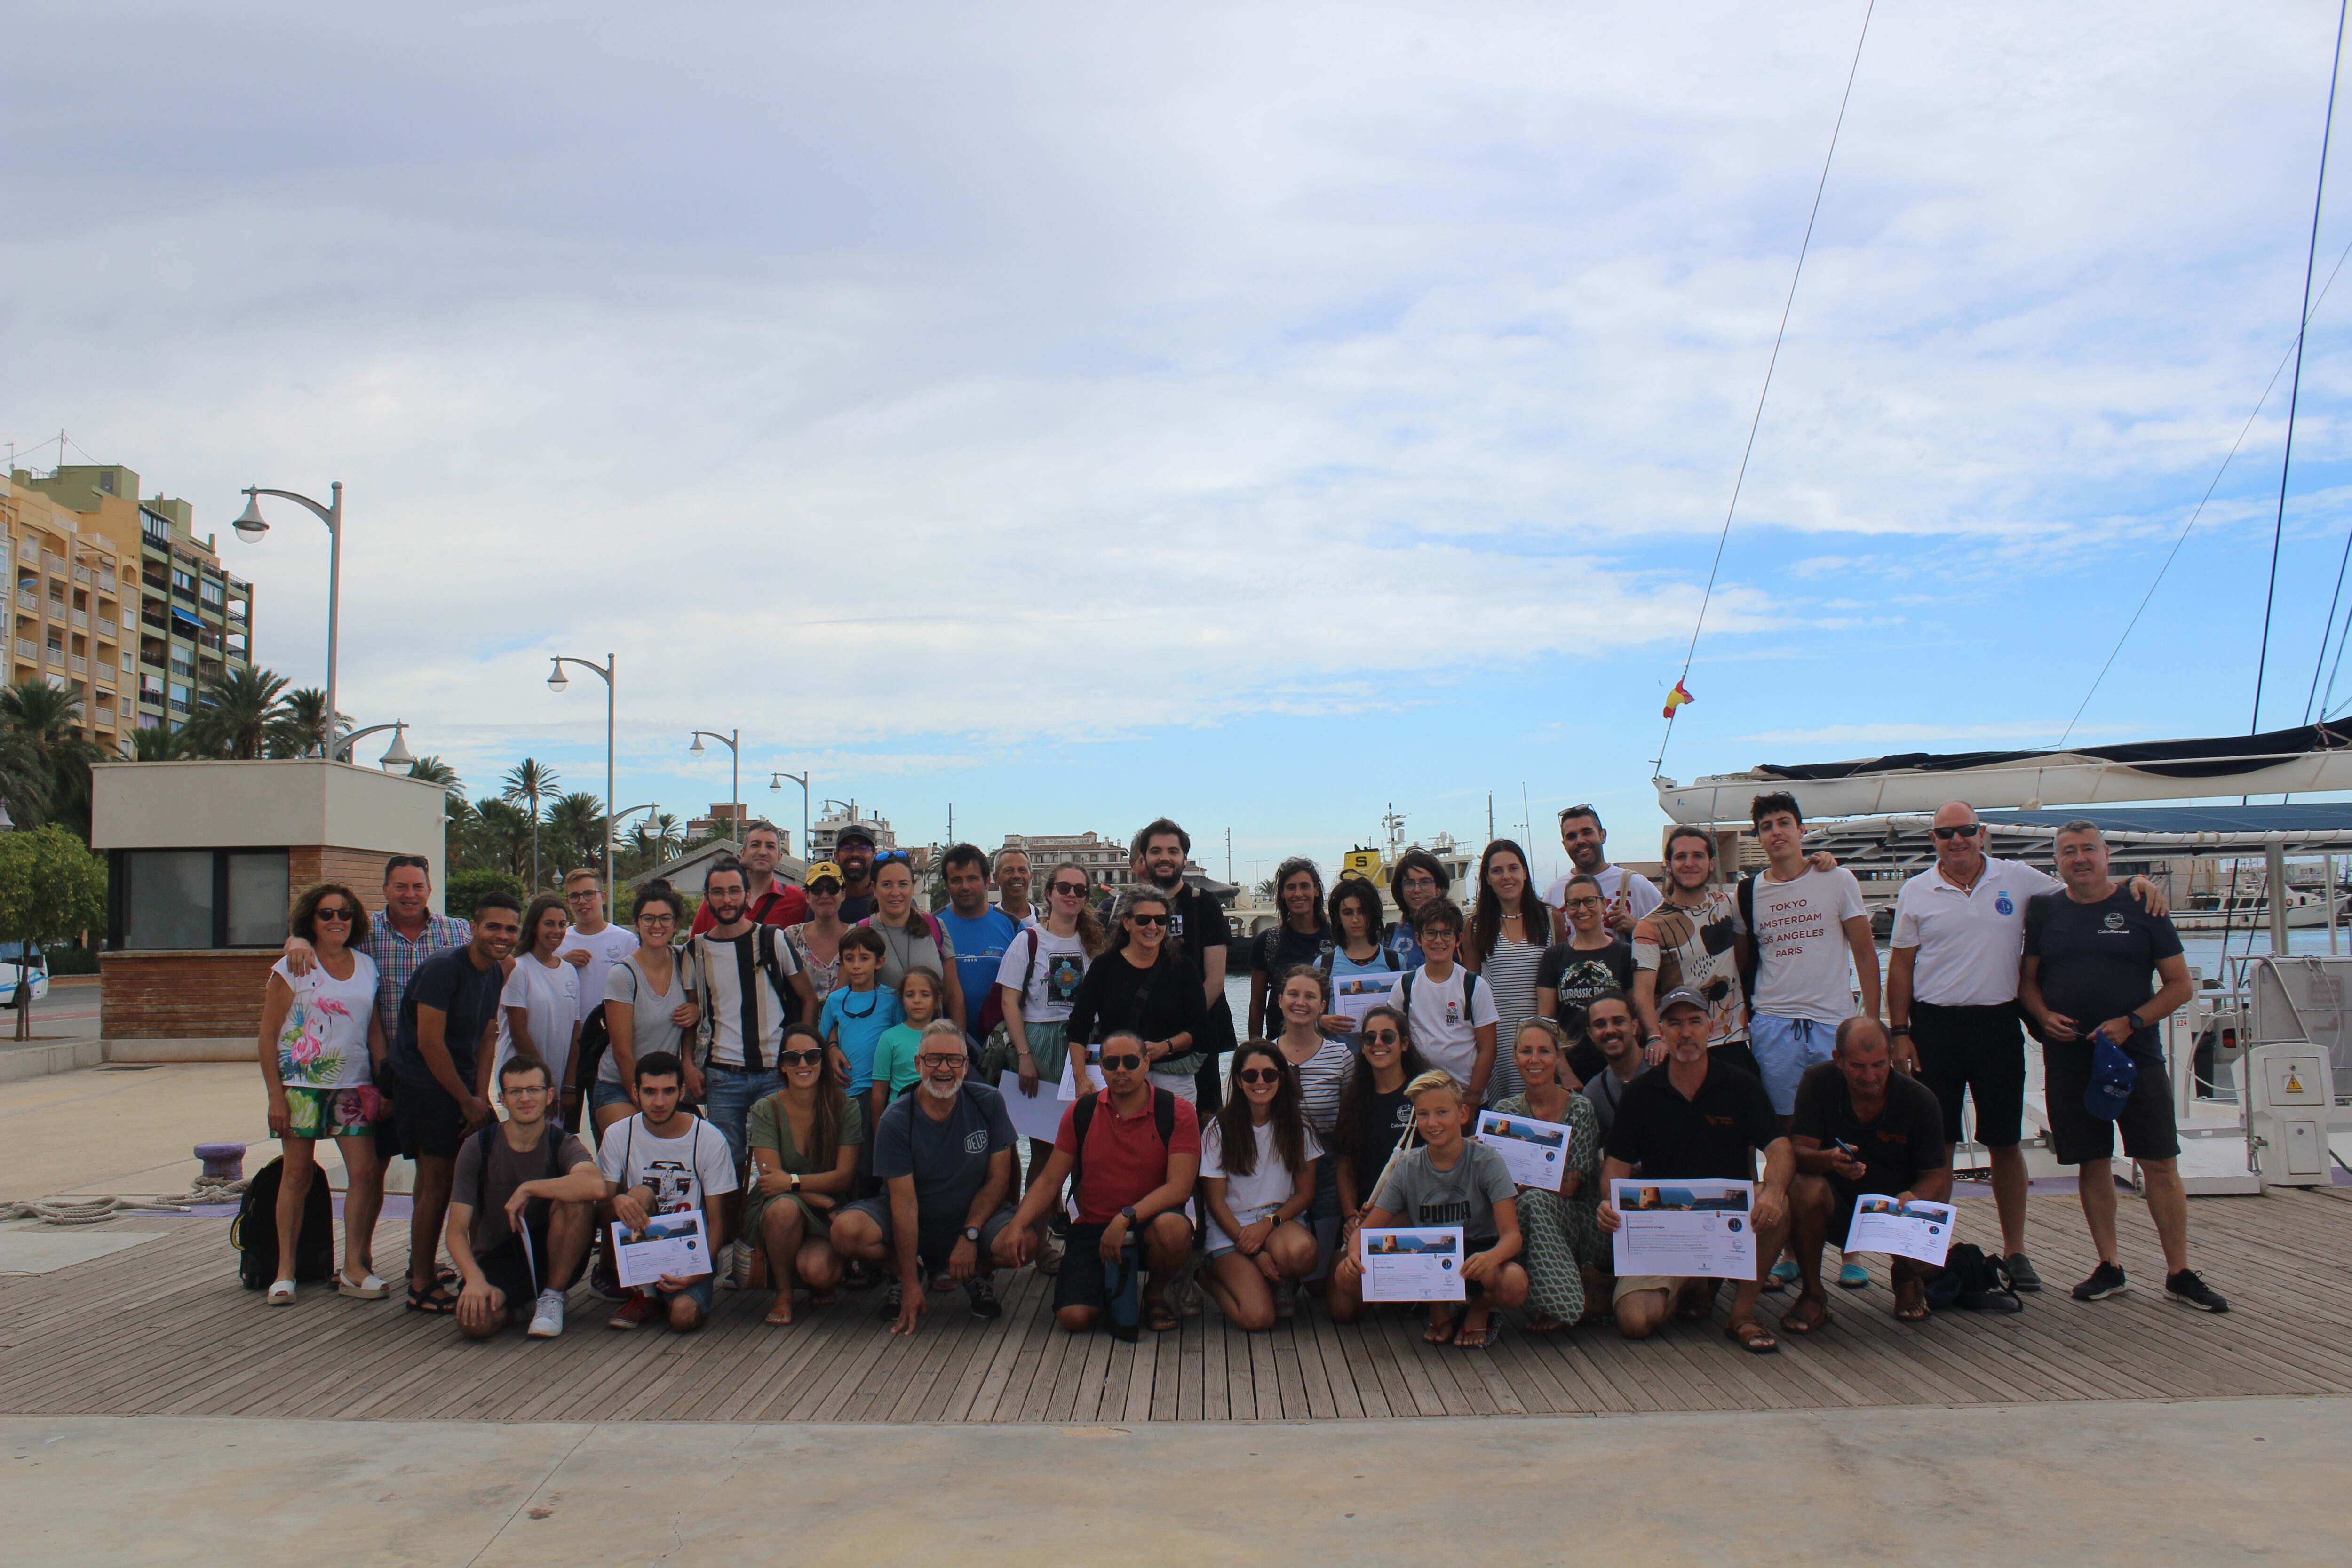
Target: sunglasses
(1076, 889)
(1380, 1036)
(1122, 1064)
(932, 1063)
(885, 855)
(1144, 920)
(340, 916)
(800, 1059)
(1964, 830)
(1258, 1075)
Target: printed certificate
(1535, 1151)
(1413, 1265)
(670, 1243)
(1357, 994)
(1069, 1069)
(1685, 1229)
(1039, 1116)
(1914, 1228)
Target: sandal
(779, 1316)
(367, 1288)
(1911, 1302)
(1480, 1338)
(1441, 1331)
(1807, 1315)
(1159, 1317)
(1752, 1337)
(435, 1298)
(282, 1293)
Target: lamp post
(732, 741)
(250, 527)
(555, 683)
(777, 784)
(396, 755)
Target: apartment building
(70, 584)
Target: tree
(160, 746)
(43, 754)
(302, 724)
(432, 769)
(52, 889)
(577, 821)
(531, 780)
(500, 838)
(236, 715)
(464, 887)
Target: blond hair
(1434, 1080)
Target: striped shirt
(397, 958)
(1320, 1078)
(1510, 973)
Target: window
(197, 897)
(106, 480)
(183, 582)
(155, 528)
(178, 698)
(210, 592)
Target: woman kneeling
(1257, 1176)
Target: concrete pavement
(2214, 1481)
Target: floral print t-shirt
(323, 1043)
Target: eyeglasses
(934, 1062)
(800, 1059)
(1380, 1036)
(1421, 882)
(525, 1090)
(1258, 1075)
(584, 893)
(658, 919)
(1144, 920)
(1122, 1064)
(1586, 903)
(1964, 830)
(1076, 889)
(338, 914)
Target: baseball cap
(2114, 1076)
(1681, 996)
(821, 870)
(863, 835)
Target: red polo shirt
(779, 906)
(1125, 1159)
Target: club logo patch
(2114, 921)
(2002, 905)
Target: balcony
(28, 550)
(77, 664)
(28, 601)
(83, 574)
(105, 580)
(56, 563)
(55, 655)
(237, 610)
(81, 620)
(27, 649)
(106, 627)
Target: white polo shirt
(1969, 943)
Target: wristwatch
(1128, 1214)
(796, 1183)
(2132, 1018)
(1898, 1029)
(971, 1234)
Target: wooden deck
(162, 1328)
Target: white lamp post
(777, 784)
(250, 527)
(732, 741)
(555, 683)
(396, 755)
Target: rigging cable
(1769, 364)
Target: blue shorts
(728, 1095)
(700, 1293)
(1784, 1049)
(609, 1091)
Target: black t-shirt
(857, 907)
(448, 981)
(1905, 1141)
(1271, 953)
(1112, 995)
(1198, 922)
(1393, 1111)
(1707, 1137)
(2098, 962)
(1579, 977)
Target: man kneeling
(521, 1200)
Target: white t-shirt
(1061, 963)
(1444, 1037)
(682, 1172)
(1970, 943)
(1642, 894)
(605, 949)
(549, 999)
(1804, 967)
(1266, 1188)
(324, 1041)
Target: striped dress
(1510, 971)
(1321, 1081)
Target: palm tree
(432, 769)
(159, 745)
(577, 820)
(500, 838)
(302, 724)
(44, 761)
(530, 782)
(235, 714)
(652, 840)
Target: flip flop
(1911, 1302)
(436, 1299)
(1796, 1320)
(1544, 1323)
(1159, 1317)
(1441, 1333)
(367, 1288)
(1752, 1337)
(779, 1316)
(1486, 1339)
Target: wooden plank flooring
(163, 1329)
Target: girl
(1360, 950)
(1562, 1228)
(648, 1002)
(1301, 938)
(804, 1141)
(1322, 1063)
(1449, 1180)
(1509, 930)
(1419, 880)
(1590, 960)
(320, 1041)
(911, 938)
(919, 995)
(1038, 981)
(816, 942)
(1374, 1111)
(1257, 1174)
(1147, 986)
(539, 1010)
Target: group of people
(851, 1092)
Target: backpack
(764, 958)
(1469, 989)
(1754, 962)
(996, 1054)
(254, 1231)
(1973, 1279)
(551, 1147)
(1330, 955)
(1082, 1117)
(596, 1030)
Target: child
(858, 1010)
(1450, 1012)
(1447, 1181)
(920, 997)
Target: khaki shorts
(1627, 1284)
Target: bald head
(1959, 838)
(1862, 1056)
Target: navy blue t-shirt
(2098, 962)
(947, 1159)
(448, 981)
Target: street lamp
(619, 818)
(777, 784)
(250, 527)
(556, 683)
(396, 755)
(732, 741)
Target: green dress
(769, 1128)
(1562, 1234)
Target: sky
(1268, 416)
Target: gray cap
(1681, 996)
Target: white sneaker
(548, 1320)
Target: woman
(1359, 951)
(805, 1140)
(1257, 1170)
(322, 1041)
(816, 942)
(1301, 938)
(1374, 1112)
(1148, 986)
(648, 1002)
(1509, 930)
(1420, 880)
(910, 939)
(1038, 981)
(1562, 1228)
(1322, 1063)
(539, 1010)
(1592, 960)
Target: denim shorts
(700, 1293)
(609, 1091)
(728, 1095)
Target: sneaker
(2105, 1280)
(547, 1321)
(1049, 1255)
(981, 1291)
(2185, 1287)
(894, 1295)
(1285, 1299)
(1853, 1277)
(636, 1313)
(1784, 1274)
(2021, 1276)
(605, 1284)
(1185, 1292)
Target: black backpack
(254, 1231)
(1973, 1279)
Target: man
(1157, 853)
(441, 1054)
(1692, 943)
(1951, 1000)
(1803, 925)
(980, 935)
(945, 1155)
(2089, 950)
(767, 901)
(1608, 1025)
(1013, 880)
(852, 851)
(521, 1209)
(664, 1160)
(592, 946)
(1135, 1152)
(1698, 1117)
(1860, 1126)
(1629, 896)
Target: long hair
(1302, 971)
(1356, 890)
(1092, 935)
(1357, 1126)
(1487, 918)
(1129, 900)
(1238, 1136)
(1282, 875)
(537, 912)
(825, 1119)
(304, 920)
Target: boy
(859, 1007)
(1450, 1011)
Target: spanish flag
(1676, 698)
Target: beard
(942, 1091)
(1587, 857)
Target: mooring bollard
(225, 1160)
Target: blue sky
(1259, 415)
